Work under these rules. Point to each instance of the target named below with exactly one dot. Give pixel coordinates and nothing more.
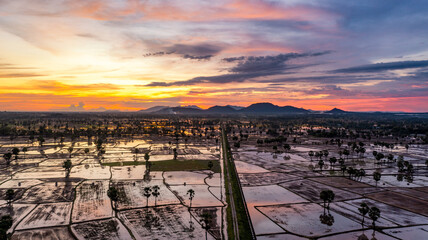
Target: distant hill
(221, 110)
(336, 111)
(259, 108)
(153, 109)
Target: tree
(147, 193)
(311, 154)
(377, 176)
(364, 209)
(41, 140)
(113, 194)
(287, 147)
(70, 150)
(374, 214)
(5, 223)
(24, 150)
(327, 196)
(332, 161)
(156, 193)
(210, 165)
(325, 153)
(7, 157)
(206, 223)
(147, 158)
(136, 151)
(67, 166)
(346, 153)
(175, 153)
(191, 194)
(10, 194)
(15, 151)
(321, 164)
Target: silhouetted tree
(191, 194)
(67, 166)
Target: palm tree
(147, 158)
(311, 154)
(364, 209)
(206, 223)
(147, 193)
(15, 151)
(113, 194)
(156, 193)
(67, 166)
(374, 214)
(70, 150)
(175, 153)
(191, 194)
(7, 157)
(321, 164)
(377, 176)
(210, 165)
(41, 140)
(24, 150)
(10, 194)
(136, 151)
(5, 223)
(327, 196)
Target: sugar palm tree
(311, 154)
(191, 194)
(364, 209)
(113, 194)
(147, 158)
(15, 151)
(156, 193)
(206, 223)
(10, 194)
(5, 223)
(7, 157)
(147, 193)
(70, 150)
(24, 150)
(175, 153)
(374, 214)
(321, 164)
(67, 166)
(327, 196)
(377, 176)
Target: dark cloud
(248, 68)
(270, 63)
(200, 51)
(206, 57)
(379, 67)
(233, 59)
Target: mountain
(336, 111)
(254, 109)
(191, 106)
(153, 109)
(179, 110)
(259, 108)
(221, 110)
(235, 107)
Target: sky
(96, 55)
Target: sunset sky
(92, 55)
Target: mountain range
(253, 109)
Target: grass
(173, 165)
(244, 225)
